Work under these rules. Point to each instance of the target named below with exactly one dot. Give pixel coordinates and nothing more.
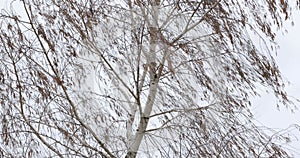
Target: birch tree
(155, 78)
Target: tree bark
(154, 78)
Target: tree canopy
(163, 78)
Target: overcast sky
(288, 59)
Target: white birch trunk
(151, 63)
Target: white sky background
(288, 60)
(264, 108)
